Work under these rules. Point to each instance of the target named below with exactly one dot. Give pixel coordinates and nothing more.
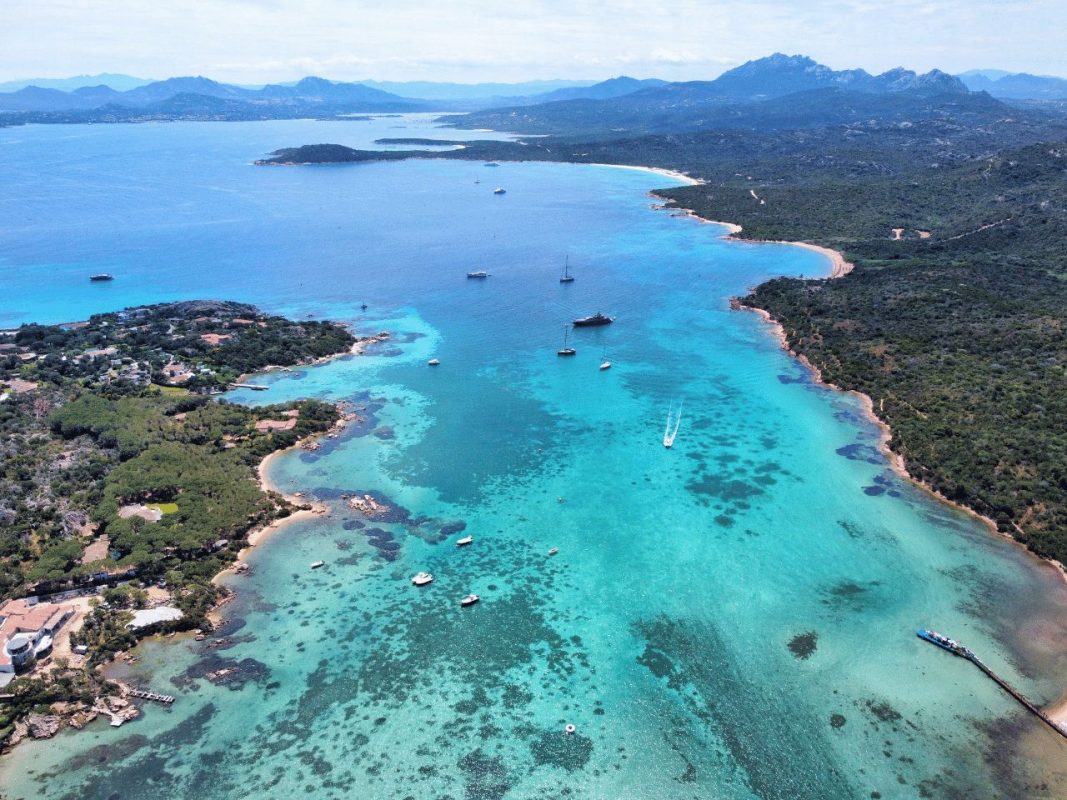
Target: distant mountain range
(433, 90)
(115, 81)
(779, 91)
(1015, 86)
(314, 96)
(202, 98)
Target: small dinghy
(469, 600)
(466, 540)
(317, 564)
(433, 362)
(553, 551)
(422, 579)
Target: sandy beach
(1058, 712)
(667, 173)
(261, 534)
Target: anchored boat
(565, 350)
(479, 274)
(466, 540)
(469, 600)
(593, 321)
(103, 276)
(422, 579)
(954, 647)
(566, 277)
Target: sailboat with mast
(566, 350)
(668, 433)
(566, 277)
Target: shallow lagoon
(733, 618)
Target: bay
(731, 618)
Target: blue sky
(253, 41)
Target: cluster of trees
(145, 339)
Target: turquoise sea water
(732, 618)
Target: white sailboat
(565, 350)
(668, 434)
(566, 277)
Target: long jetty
(966, 653)
(1019, 696)
(165, 699)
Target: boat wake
(668, 433)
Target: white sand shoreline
(667, 173)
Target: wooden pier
(256, 387)
(165, 699)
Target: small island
(127, 487)
(324, 154)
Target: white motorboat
(422, 578)
(668, 434)
(469, 600)
(466, 540)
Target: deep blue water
(732, 618)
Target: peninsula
(127, 487)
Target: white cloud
(260, 40)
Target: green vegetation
(94, 454)
(201, 345)
(158, 482)
(77, 450)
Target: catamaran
(668, 434)
(566, 277)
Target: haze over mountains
(770, 93)
(1019, 86)
(739, 97)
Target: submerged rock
(803, 645)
